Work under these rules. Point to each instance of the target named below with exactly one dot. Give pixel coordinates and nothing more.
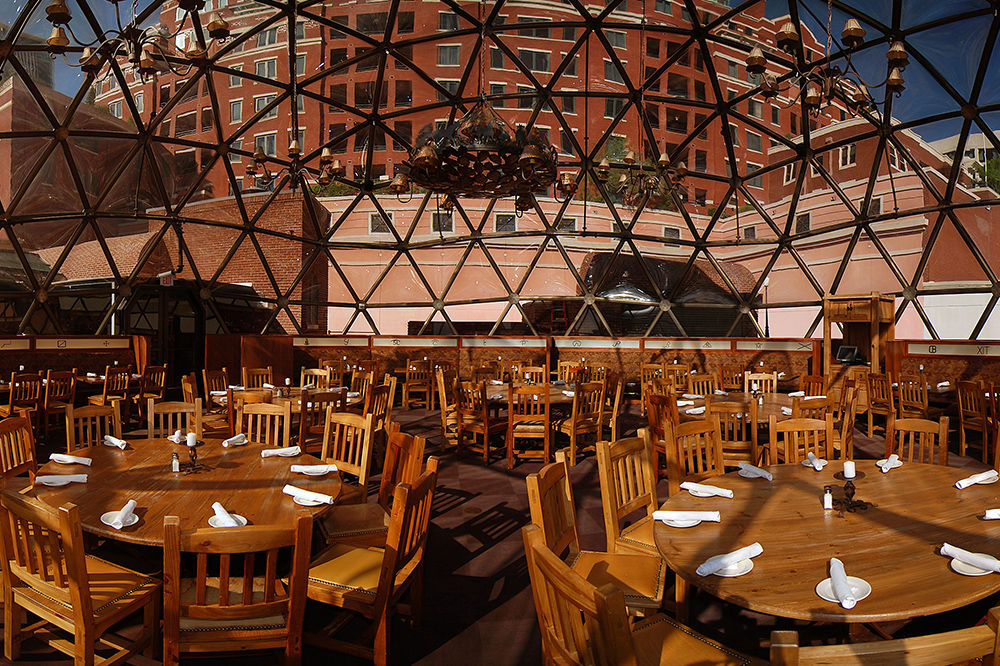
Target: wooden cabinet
(868, 324)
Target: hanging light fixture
(820, 85)
(146, 49)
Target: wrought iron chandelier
(819, 85)
(147, 50)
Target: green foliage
(988, 174)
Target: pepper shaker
(827, 497)
(175, 462)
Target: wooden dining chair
(765, 382)
(972, 415)
(678, 374)
(628, 493)
(881, 401)
(550, 499)
(87, 425)
(255, 378)
(912, 400)
(585, 418)
(417, 384)
(737, 431)
(17, 449)
(647, 373)
(378, 404)
(265, 423)
(660, 408)
(446, 402)
(216, 382)
(360, 381)
(703, 383)
(812, 384)
(318, 378)
(25, 396)
(843, 427)
(980, 644)
(587, 622)
(335, 371)
(613, 406)
(533, 374)
(312, 415)
(165, 418)
(485, 374)
(918, 440)
(367, 523)
(152, 386)
(474, 420)
(237, 595)
(848, 388)
(371, 581)
(47, 573)
(791, 440)
(347, 442)
(693, 451)
(529, 417)
(811, 407)
(732, 377)
(116, 388)
(59, 392)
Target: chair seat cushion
(188, 591)
(355, 520)
(345, 572)
(640, 577)
(659, 640)
(640, 534)
(536, 427)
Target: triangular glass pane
(918, 13)
(476, 279)
(479, 317)
(13, 277)
(129, 242)
(52, 189)
(551, 277)
(948, 280)
(954, 49)
(401, 285)
(866, 271)
(910, 326)
(991, 330)
(86, 259)
(394, 320)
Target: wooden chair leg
(682, 599)
(961, 439)
(381, 647)
(871, 424)
(12, 617)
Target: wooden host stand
(868, 324)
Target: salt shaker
(827, 498)
(175, 462)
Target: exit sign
(167, 280)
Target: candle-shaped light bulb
(849, 471)
(192, 439)
(288, 381)
(20, 368)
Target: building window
(267, 37)
(536, 61)
(653, 115)
(750, 233)
(671, 233)
(754, 181)
(263, 100)
(613, 106)
(338, 130)
(442, 222)
(565, 142)
(571, 66)
(755, 109)
(753, 142)
(364, 94)
(187, 123)
(115, 108)
(404, 52)
(775, 116)
(267, 142)
(447, 21)
(449, 55)
(818, 159)
(373, 24)
(616, 38)
(337, 34)
(300, 30)
(895, 160)
(676, 47)
(450, 88)
(496, 90)
(652, 47)
(235, 81)
(732, 69)
(140, 102)
(701, 161)
(848, 155)
(496, 58)
(788, 175)
(404, 23)
(234, 147)
(665, 7)
(528, 100)
(541, 32)
(569, 34)
(404, 135)
(505, 223)
(404, 92)
(676, 120)
(569, 104)
(566, 224)
(793, 123)
(379, 223)
(700, 197)
(802, 223)
(236, 111)
(677, 85)
(300, 65)
(874, 207)
(367, 58)
(611, 72)
(267, 69)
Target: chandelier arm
(165, 57)
(97, 40)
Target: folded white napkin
(814, 462)
(315, 469)
(944, 384)
(713, 516)
(64, 459)
(813, 397)
(781, 375)
(124, 515)
(284, 452)
(236, 440)
(716, 562)
(91, 374)
(796, 394)
(786, 411)
(975, 559)
(841, 588)
(694, 410)
(692, 396)
(225, 518)
(267, 386)
(684, 403)
(217, 393)
(753, 470)
(354, 394)
(50, 478)
(706, 488)
(495, 382)
(988, 475)
(569, 393)
(114, 441)
(306, 494)
(495, 396)
(992, 514)
(892, 462)
(177, 437)
(719, 392)
(308, 386)
(236, 387)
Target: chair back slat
(347, 442)
(215, 380)
(116, 383)
(153, 381)
(312, 415)
(737, 429)
(972, 400)
(703, 384)
(811, 407)
(87, 426)
(793, 439)
(880, 395)
(628, 481)
(17, 448)
(732, 377)
(533, 374)
(812, 384)
(765, 382)
(404, 456)
(318, 377)
(266, 423)
(165, 418)
(912, 397)
(377, 404)
(918, 440)
(25, 390)
(694, 451)
(255, 378)
(60, 386)
(550, 500)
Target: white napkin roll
(308, 386)
(716, 562)
(816, 463)
(569, 393)
(217, 393)
(944, 384)
(796, 394)
(225, 518)
(975, 559)
(706, 488)
(354, 394)
(267, 386)
(236, 387)
(992, 514)
(692, 396)
(685, 403)
(306, 494)
(813, 397)
(284, 452)
(56, 478)
(176, 438)
(91, 374)
(781, 375)
(786, 411)
(988, 475)
(236, 440)
(114, 441)
(753, 470)
(713, 516)
(316, 469)
(65, 459)
(841, 588)
(124, 515)
(719, 392)
(892, 462)
(694, 410)
(496, 382)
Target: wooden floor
(478, 606)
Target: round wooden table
(497, 393)
(238, 477)
(893, 545)
(771, 406)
